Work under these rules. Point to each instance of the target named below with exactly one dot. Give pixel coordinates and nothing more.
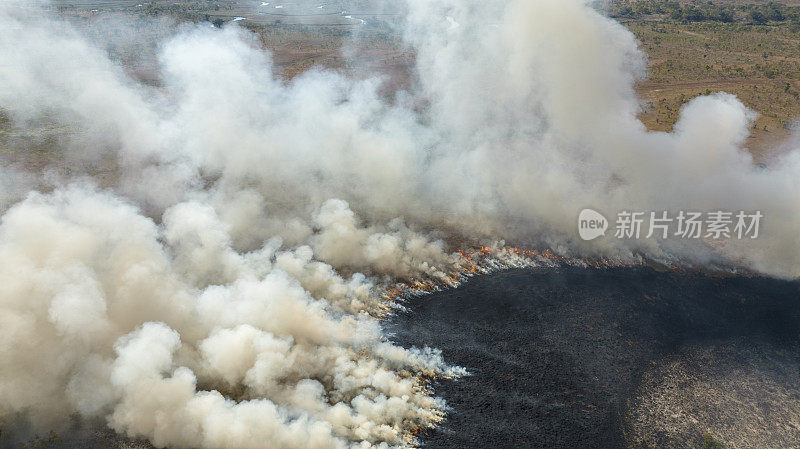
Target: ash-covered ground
(628, 357)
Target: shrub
(710, 443)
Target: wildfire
(487, 259)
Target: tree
(774, 13)
(725, 15)
(693, 14)
(625, 11)
(757, 17)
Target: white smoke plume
(107, 314)
(222, 289)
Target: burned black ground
(557, 355)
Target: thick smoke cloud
(535, 109)
(107, 314)
(223, 290)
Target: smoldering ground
(219, 284)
